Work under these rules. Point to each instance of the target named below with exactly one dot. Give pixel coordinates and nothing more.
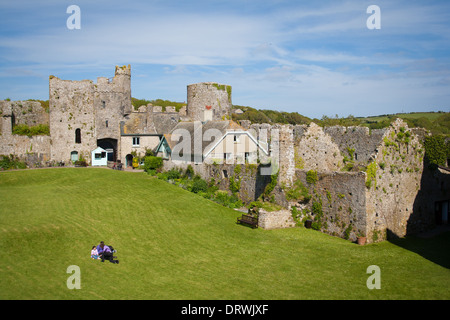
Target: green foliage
(269, 116)
(81, 163)
(152, 163)
(11, 162)
(271, 185)
(351, 153)
(158, 102)
(189, 173)
(24, 130)
(173, 174)
(436, 151)
(199, 185)
(317, 212)
(230, 201)
(371, 174)
(347, 231)
(311, 177)
(298, 192)
(235, 184)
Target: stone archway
(110, 145)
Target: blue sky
(312, 57)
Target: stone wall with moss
(393, 184)
(334, 201)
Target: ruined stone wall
(30, 113)
(341, 198)
(216, 96)
(393, 192)
(361, 140)
(314, 149)
(28, 149)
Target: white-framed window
(136, 141)
(236, 138)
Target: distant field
(173, 244)
(429, 115)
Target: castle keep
(353, 181)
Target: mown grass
(173, 244)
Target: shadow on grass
(435, 249)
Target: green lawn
(173, 244)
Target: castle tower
(72, 125)
(112, 102)
(208, 101)
(84, 115)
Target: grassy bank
(173, 244)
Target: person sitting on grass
(107, 254)
(100, 249)
(94, 253)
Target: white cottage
(99, 157)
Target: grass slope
(173, 244)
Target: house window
(78, 136)
(247, 156)
(226, 157)
(106, 123)
(136, 141)
(98, 156)
(103, 104)
(236, 138)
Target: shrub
(311, 177)
(11, 162)
(436, 151)
(199, 185)
(24, 130)
(173, 174)
(298, 192)
(153, 163)
(80, 163)
(273, 182)
(230, 201)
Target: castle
(359, 181)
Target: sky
(312, 57)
